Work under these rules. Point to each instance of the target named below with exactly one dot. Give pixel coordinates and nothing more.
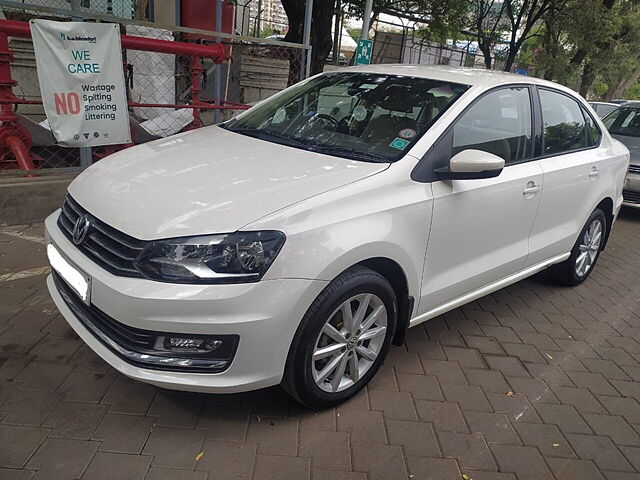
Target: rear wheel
(585, 252)
(342, 339)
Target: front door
(480, 228)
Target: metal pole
(366, 19)
(85, 152)
(258, 23)
(307, 37)
(336, 34)
(217, 79)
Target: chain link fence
(167, 93)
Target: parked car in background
(296, 243)
(603, 108)
(620, 101)
(624, 125)
(342, 59)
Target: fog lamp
(187, 344)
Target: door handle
(594, 172)
(531, 188)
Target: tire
(356, 287)
(577, 268)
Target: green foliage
(445, 18)
(354, 33)
(591, 45)
(633, 93)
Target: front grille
(630, 196)
(137, 346)
(108, 247)
(634, 169)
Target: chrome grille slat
(67, 212)
(113, 250)
(121, 240)
(98, 256)
(634, 169)
(67, 226)
(108, 247)
(71, 204)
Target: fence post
(217, 74)
(196, 72)
(305, 71)
(337, 33)
(85, 152)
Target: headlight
(239, 257)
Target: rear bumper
(265, 316)
(631, 191)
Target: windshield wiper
(267, 135)
(348, 152)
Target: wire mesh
(167, 93)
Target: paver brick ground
(533, 382)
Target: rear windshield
(624, 121)
(362, 116)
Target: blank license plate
(79, 281)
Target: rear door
(480, 228)
(572, 165)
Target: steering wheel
(329, 119)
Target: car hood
(633, 144)
(207, 180)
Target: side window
(499, 123)
(564, 126)
(593, 131)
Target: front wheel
(585, 252)
(342, 339)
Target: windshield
(624, 121)
(363, 116)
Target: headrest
(397, 98)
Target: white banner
(82, 82)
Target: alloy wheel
(589, 248)
(349, 342)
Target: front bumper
(631, 190)
(265, 316)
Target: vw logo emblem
(80, 229)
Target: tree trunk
(588, 76)
(511, 57)
(321, 41)
(485, 48)
(618, 91)
(295, 15)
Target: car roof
(605, 103)
(631, 103)
(448, 73)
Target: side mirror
(471, 164)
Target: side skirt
(481, 292)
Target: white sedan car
(295, 243)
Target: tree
(592, 45)
(488, 22)
(439, 14)
(321, 41)
(443, 18)
(511, 22)
(523, 16)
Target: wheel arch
(606, 205)
(395, 275)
